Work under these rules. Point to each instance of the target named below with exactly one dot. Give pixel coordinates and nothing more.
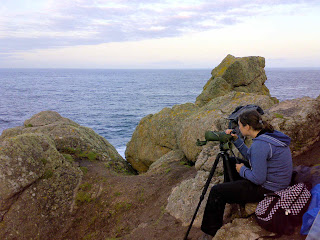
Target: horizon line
(78, 68)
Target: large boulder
(185, 197)
(156, 135)
(37, 187)
(299, 119)
(163, 164)
(71, 138)
(40, 174)
(244, 74)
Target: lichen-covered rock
(71, 138)
(40, 176)
(46, 118)
(184, 198)
(240, 229)
(37, 187)
(244, 74)
(156, 135)
(163, 163)
(299, 119)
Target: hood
(275, 138)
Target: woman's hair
(254, 119)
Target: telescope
(222, 137)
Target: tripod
(223, 154)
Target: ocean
(112, 102)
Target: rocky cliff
(234, 82)
(40, 173)
(60, 180)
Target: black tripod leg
(204, 192)
(227, 168)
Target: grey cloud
(71, 23)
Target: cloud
(60, 23)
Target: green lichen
(278, 115)
(44, 161)
(85, 186)
(83, 197)
(77, 153)
(68, 157)
(117, 194)
(84, 169)
(47, 174)
(122, 206)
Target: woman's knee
(216, 191)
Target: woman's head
(254, 120)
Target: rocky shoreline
(58, 178)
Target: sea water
(112, 102)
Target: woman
(270, 169)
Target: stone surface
(184, 198)
(241, 229)
(244, 74)
(156, 135)
(163, 163)
(299, 119)
(71, 138)
(37, 186)
(40, 174)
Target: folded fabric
(312, 212)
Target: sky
(155, 34)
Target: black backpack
(282, 211)
(234, 116)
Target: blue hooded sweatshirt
(270, 160)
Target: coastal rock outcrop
(156, 135)
(40, 174)
(235, 82)
(180, 126)
(244, 74)
(70, 138)
(298, 118)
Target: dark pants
(239, 191)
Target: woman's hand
(239, 166)
(229, 131)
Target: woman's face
(243, 129)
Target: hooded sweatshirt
(270, 160)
